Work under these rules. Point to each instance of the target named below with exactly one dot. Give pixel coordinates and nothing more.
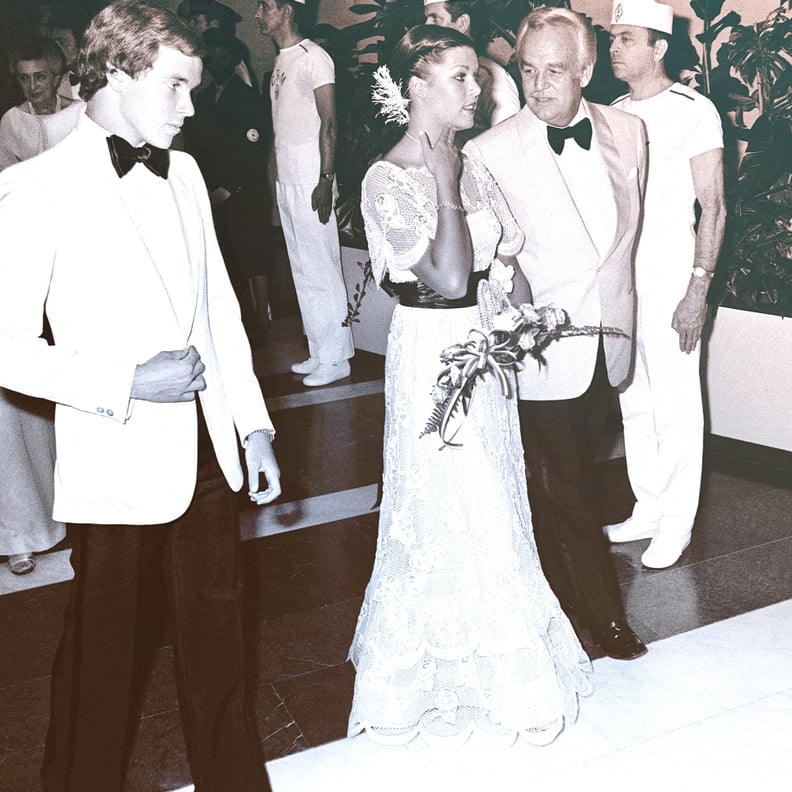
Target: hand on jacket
(169, 377)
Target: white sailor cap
(643, 13)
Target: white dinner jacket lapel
(189, 292)
(546, 177)
(178, 271)
(173, 261)
(615, 167)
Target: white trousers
(663, 417)
(315, 260)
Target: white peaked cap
(643, 13)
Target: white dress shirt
(587, 180)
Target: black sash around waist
(418, 295)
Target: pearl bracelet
(450, 205)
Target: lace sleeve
(512, 237)
(397, 218)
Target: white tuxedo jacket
(559, 258)
(115, 296)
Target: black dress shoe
(617, 640)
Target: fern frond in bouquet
(515, 333)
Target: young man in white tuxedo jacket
(152, 378)
(572, 173)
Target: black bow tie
(581, 132)
(124, 157)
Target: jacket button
(110, 413)
(100, 410)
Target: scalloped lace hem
(426, 648)
(438, 733)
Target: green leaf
(707, 10)
(710, 34)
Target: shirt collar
(88, 126)
(579, 116)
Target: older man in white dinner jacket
(580, 210)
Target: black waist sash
(419, 295)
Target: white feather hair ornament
(388, 95)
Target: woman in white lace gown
(459, 631)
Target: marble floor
(693, 713)
(710, 706)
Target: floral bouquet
(515, 333)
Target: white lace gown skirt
(459, 630)
(27, 460)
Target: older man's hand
(690, 315)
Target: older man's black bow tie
(124, 157)
(581, 132)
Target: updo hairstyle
(420, 48)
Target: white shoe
(664, 550)
(631, 530)
(326, 373)
(306, 367)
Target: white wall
(749, 378)
(370, 330)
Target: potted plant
(755, 267)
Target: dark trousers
(93, 717)
(558, 441)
